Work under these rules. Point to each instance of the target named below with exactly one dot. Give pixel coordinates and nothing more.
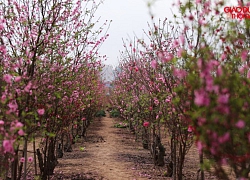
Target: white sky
(129, 17)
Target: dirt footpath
(111, 153)
(107, 153)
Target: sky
(129, 18)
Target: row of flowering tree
(49, 78)
(145, 93)
(192, 80)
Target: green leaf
(50, 134)
(58, 95)
(82, 148)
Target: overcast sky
(128, 17)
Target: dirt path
(111, 153)
(107, 154)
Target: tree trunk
(201, 164)
(173, 154)
(34, 150)
(25, 156)
(14, 165)
(40, 160)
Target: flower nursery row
(190, 78)
(50, 81)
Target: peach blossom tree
(50, 67)
(218, 78)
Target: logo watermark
(238, 12)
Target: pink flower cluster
(22, 159)
(8, 146)
(146, 124)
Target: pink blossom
(207, 4)
(3, 98)
(8, 146)
(216, 89)
(22, 159)
(248, 74)
(224, 161)
(224, 109)
(219, 71)
(168, 58)
(244, 54)
(18, 125)
(240, 124)
(1, 122)
(3, 49)
(40, 111)
(175, 43)
(213, 150)
(1, 27)
(182, 39)
(223, 98)
(199, 63)
(214, 135)
(224, 138)
(18, 91)
(18, 78)
(13, 106)
(202, 21)
(30, 159)
(28, 87)
(150, 108)
(241, 69)
(225, 90)
(146, 124)
(161, 79)
(156, 101)
(21, 132)
(160, 55)
(83, 119)
(154, 64)
(179, 73)
(201, 121)
(179, 53)
(223, 56)
(167, 100)
(201, 98)
(242, 178)
(190, 128)
(7, 78)
(209, 83)
(199, 146)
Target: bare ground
(111, 153)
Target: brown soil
(110, 153)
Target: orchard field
(177, 109)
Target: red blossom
(146, 124)
(83, 119)
(190, 129)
